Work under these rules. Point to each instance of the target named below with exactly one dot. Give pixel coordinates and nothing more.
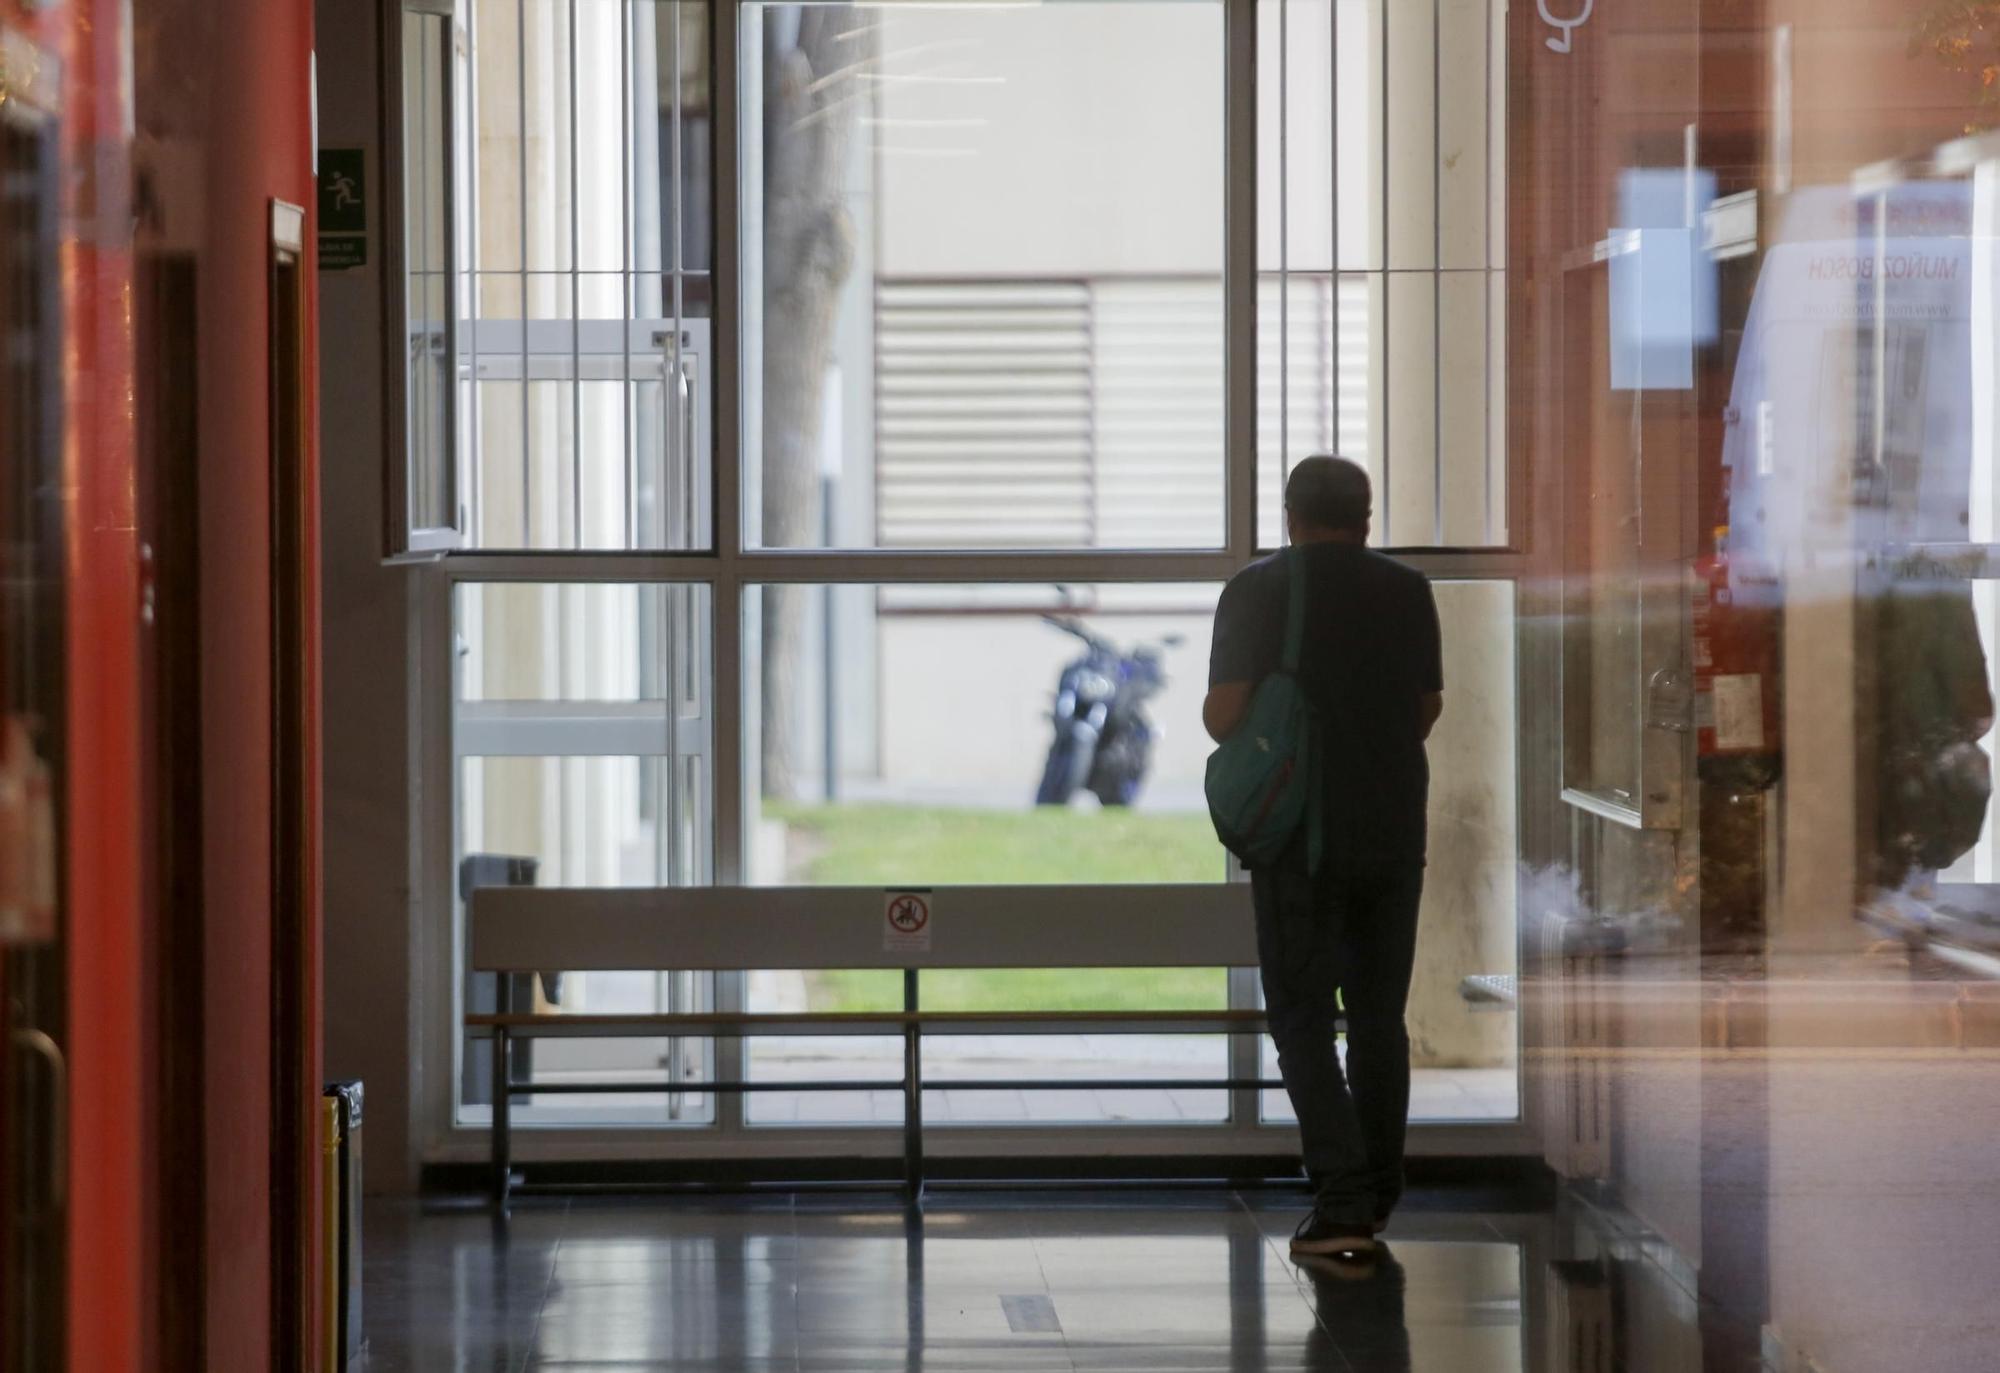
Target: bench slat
(809, 1025)
(625, 929)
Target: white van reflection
(1853, 419)
(1855, 430)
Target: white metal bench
(536, 929)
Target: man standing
(1343, 938)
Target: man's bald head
(1329, 495)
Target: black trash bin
(343, 1221)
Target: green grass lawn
(886, 845)
(890, 845)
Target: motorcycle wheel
(1059, 773)
(1119, 790)
(1119, 771)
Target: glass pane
(579, 822)
(582, 732)
(1381, 190)
(983, 252)
(588, 319)
(1464, 1033)
(431, 395)
(904, 734)
(1602, 593)
(959, 1058)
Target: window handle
(684, 460)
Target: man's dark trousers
(1345, 938)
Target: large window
(841, 419)
(992, 733)
(982, 275)
(1380, 253)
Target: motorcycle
(1103, 737)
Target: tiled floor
(988, 1281)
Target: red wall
(257, 148)
(238, 98)
(101, 827)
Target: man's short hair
(1326, 492)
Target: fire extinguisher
(1737, 605)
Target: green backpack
(1263, 782)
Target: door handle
(683, 474)
(36, 1042)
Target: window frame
(403, 538)
(733, 563)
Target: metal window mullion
(682, 475)
(472, 306)
(1240, 278)
(626, 289)
(1284, 248)
(675, 607)
(575, 306)
(1333, 214)
(417, 496)
(521, 159)
(684, 457)
(1388, 305)
(725, 534)
(1093, 476)
(1245, 1052)
(1437, 272)
(1486, 292)
(815, 566)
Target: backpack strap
(1295, 610)
(1295, 638)
(1316, 809)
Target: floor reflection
(1026, 1281)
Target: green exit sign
(343, 209)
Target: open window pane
(583, 343)
(983, 260)
(426, 501)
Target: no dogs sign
(906, 921)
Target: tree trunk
(811, 104)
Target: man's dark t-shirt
(1371, 650)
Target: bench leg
(913, 1097)
(503, 1100)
